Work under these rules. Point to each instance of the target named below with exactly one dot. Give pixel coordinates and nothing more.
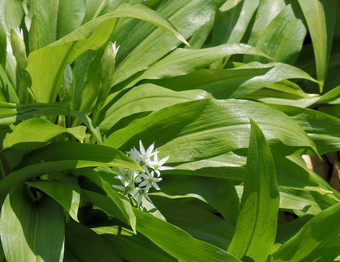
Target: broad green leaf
(31, 230)
(65, 156)
(318, 240)
(320, 16)
(322, 128)
(291, 172)
(123, 241)
(82, 244)
(102, 180)
(145, 98)
(288, 230)
(184, 61)
(65, 191)
(70, 16)
(197, 221)
(231, 25)
(46, 16)
(201, 129)
(60, 151)
(295, 201)
(89, 79)
(46, 65)
(218, 193)
(331, 97)
(93, 8)
(198, 39)
(267, 11)
(82, 68)
(237, 82)
(6, 87)
(11, 113)
(105, 203)
(257, 220)
(32, 133)
(151, 45)
(177, 242)
(11, 14)
(283, 38)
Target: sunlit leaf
(31, 231)
(257, 220)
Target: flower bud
(18, 47)
(107, 71)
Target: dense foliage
(163, 130)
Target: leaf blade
(257, 221)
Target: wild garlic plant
(136, 183)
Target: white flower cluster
(137, 184)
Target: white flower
(157, 165)
(115, 49)
(137, 184)
(127, 176)
(134, 155)
(145, 155)
(149, 181)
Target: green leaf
(198, 39)
(218, 193)
(197, 221)
(257, 220)
(322, 128)
(65, 156)
(266, 12)
(104, 203)
(102, 180)
(231, 25)
(145, 98)
(82, 244)
(288, 230)
(320, 16)
(11, 113)
(46, 16)
(184, 61)
(295, 201)
(201, 129)
(237, 82)
(147, 45)
(94, 7)
(177, 242)
(65, 191)
(7, 88)
(31, 231)
(32, 133)
(46, 65)
(3, 45)
(283, 38)
(70, 16)
(11, 14)
(318, 240)
(60, 151)
(122, 241)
